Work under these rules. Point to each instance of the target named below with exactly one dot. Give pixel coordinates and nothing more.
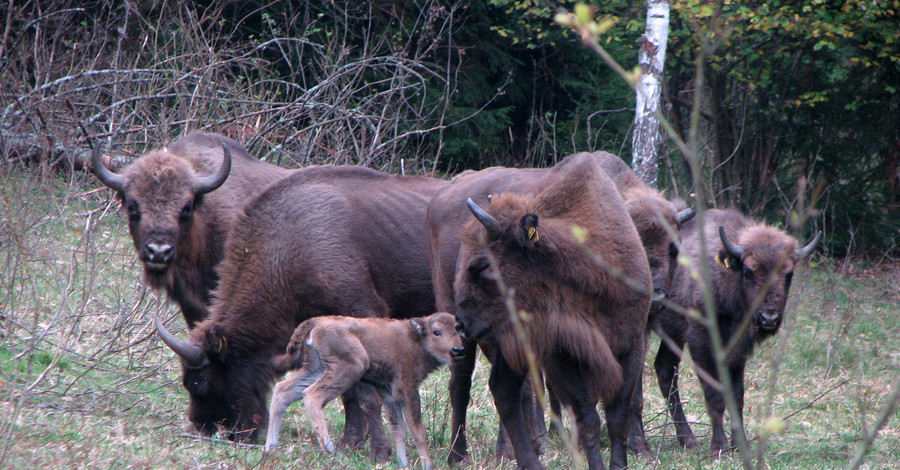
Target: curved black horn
(735, 250)
(806, 250)
(190, 354)
(211, 182)
(685, 215)
(107, 177)
(490, 223)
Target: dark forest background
(800, 106)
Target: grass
(85, 383)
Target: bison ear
(529, 229)
(216, 342)
(420, 328)
(728, 261)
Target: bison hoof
(455, 459)
(329, 447)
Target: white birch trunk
(647, 139)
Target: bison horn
(685, 215)
(190, 354)
(107, 177)
(735, 250)
(489, 222)
(211, 182)
(806, 250)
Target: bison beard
(322, 241)
(181, 207)
(751, 266)
(585, 325)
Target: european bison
(658, 222)
(181, 202)
(583, 321)
(321, 241)
(394, 356)
(650, 213)
(751, 266)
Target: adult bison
(655, 218)
(321, 241)
(751, 266)
(569, 264)
(658, 221)
(181, 202)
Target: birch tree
(647, 140)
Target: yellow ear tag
(723, 261)
(223, 343)
(532, 235)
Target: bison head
(764, 258)
(658, 222)
(439, 336)
(227, 387)
(160, 192)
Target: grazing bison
(583, 322)
(751, 266)
(181, 203)
(321, 241)
(394, 356)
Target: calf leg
(460, 386)
(286, 392)
(398, 427)
(413, 411)
(637, 440)
(666, 365)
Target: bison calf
(394, 356)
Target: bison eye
(477, 266)
(187, 211)
(748, 274)
(437, 332)
(134, 211)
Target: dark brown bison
(583, 322)
(333, 353)
(321, 241)
(655, 218)
(181, 202)
(751, 266)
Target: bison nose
(769, 318)
(159, 252)
(458, 352)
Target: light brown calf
(394, 356)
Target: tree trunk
(647, 140)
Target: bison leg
(460, 385)
(666, 366)
(637, 440)
(379, 445)
(715, 407)
(412, 409)
(286, 392)
(398, 427)
(504, 448)
(617, 410)
(506, 387)
(569, 385)
(556, 426)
